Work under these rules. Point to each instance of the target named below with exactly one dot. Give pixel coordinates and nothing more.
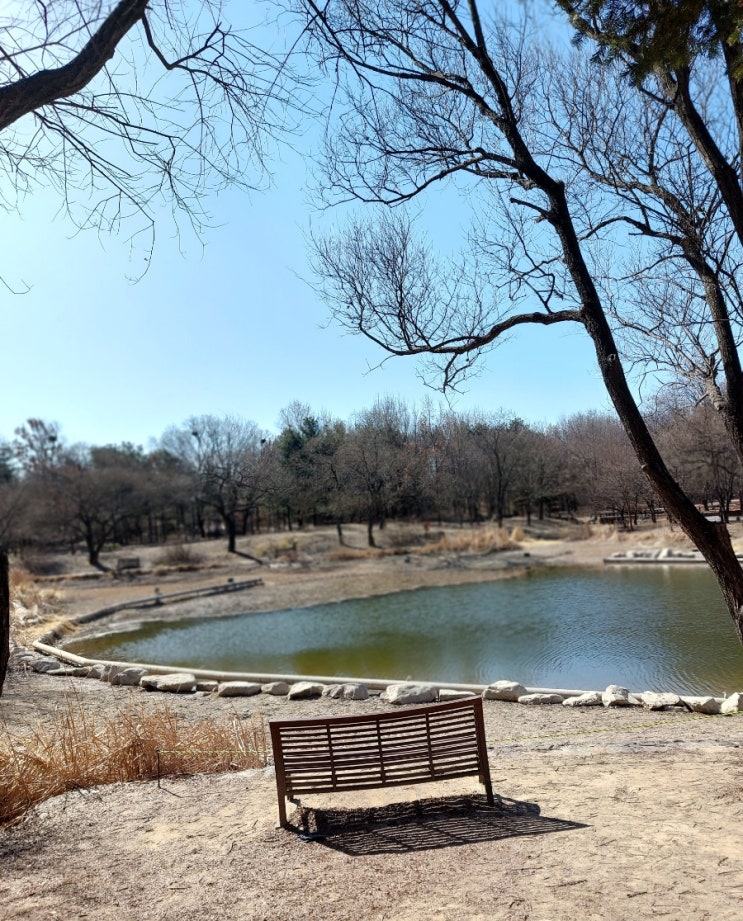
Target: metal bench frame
(416, 745)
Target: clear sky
(227, 327)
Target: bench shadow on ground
(424, 824)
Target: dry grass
(80, 751)
(476, 540)
(472, 540)
(180, 555)
(33, 609)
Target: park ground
(604, 814)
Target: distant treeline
(225, 477)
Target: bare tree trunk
(4, 617)
(231, 526)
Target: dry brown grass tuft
(180, 555)
(480, 540)
(32, 609)
(80, 751)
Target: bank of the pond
(646, 629)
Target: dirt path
(606, 814)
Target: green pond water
(659, 628)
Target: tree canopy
(605, 191)
(126, 108)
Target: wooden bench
(127, 562)
(343, 753)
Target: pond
(658, 628)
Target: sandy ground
(605, 814)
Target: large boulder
(238, 689)
(536, 699)
(410, 694)
(589, 699)
(277, 688)
(504, 690)
(346, 691)
(129, 677)
(616, 696)
(177, 683)
(447, 694)
(302, 690)
(732, 704)
(702, 704)
(653, 700)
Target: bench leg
(282, 813)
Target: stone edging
(296, 687)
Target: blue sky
(224, 327)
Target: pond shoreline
(320, 580)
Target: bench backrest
(418, 745)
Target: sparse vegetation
(472, 540)
(33, 609)
(285, 547)
(80, 751)
(180, 554)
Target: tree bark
(4, 617)
(47, 86)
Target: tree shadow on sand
(424, 824)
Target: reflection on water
(646, 629)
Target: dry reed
(32, 609)
(480, 540)
(81, 751)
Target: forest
(222, 476)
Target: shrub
(179, 555)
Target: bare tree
(426, 92)
(228, 462)
(124, 106)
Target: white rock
(278, 688)
(504, 690)
(237, 689)
(447, 694)
(207, 685)
(410, 694)
(536, 699)
(128, 677)
(178, 683)
(589, 699)
(346, 691)
(149, 682)
(616, 696)
(702, 704)
(304, 689)
(652, 700)
(732, 704)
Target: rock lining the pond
(346, 691)
(504, 690)
(51, 661)
(237, 688)
(410, 694)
